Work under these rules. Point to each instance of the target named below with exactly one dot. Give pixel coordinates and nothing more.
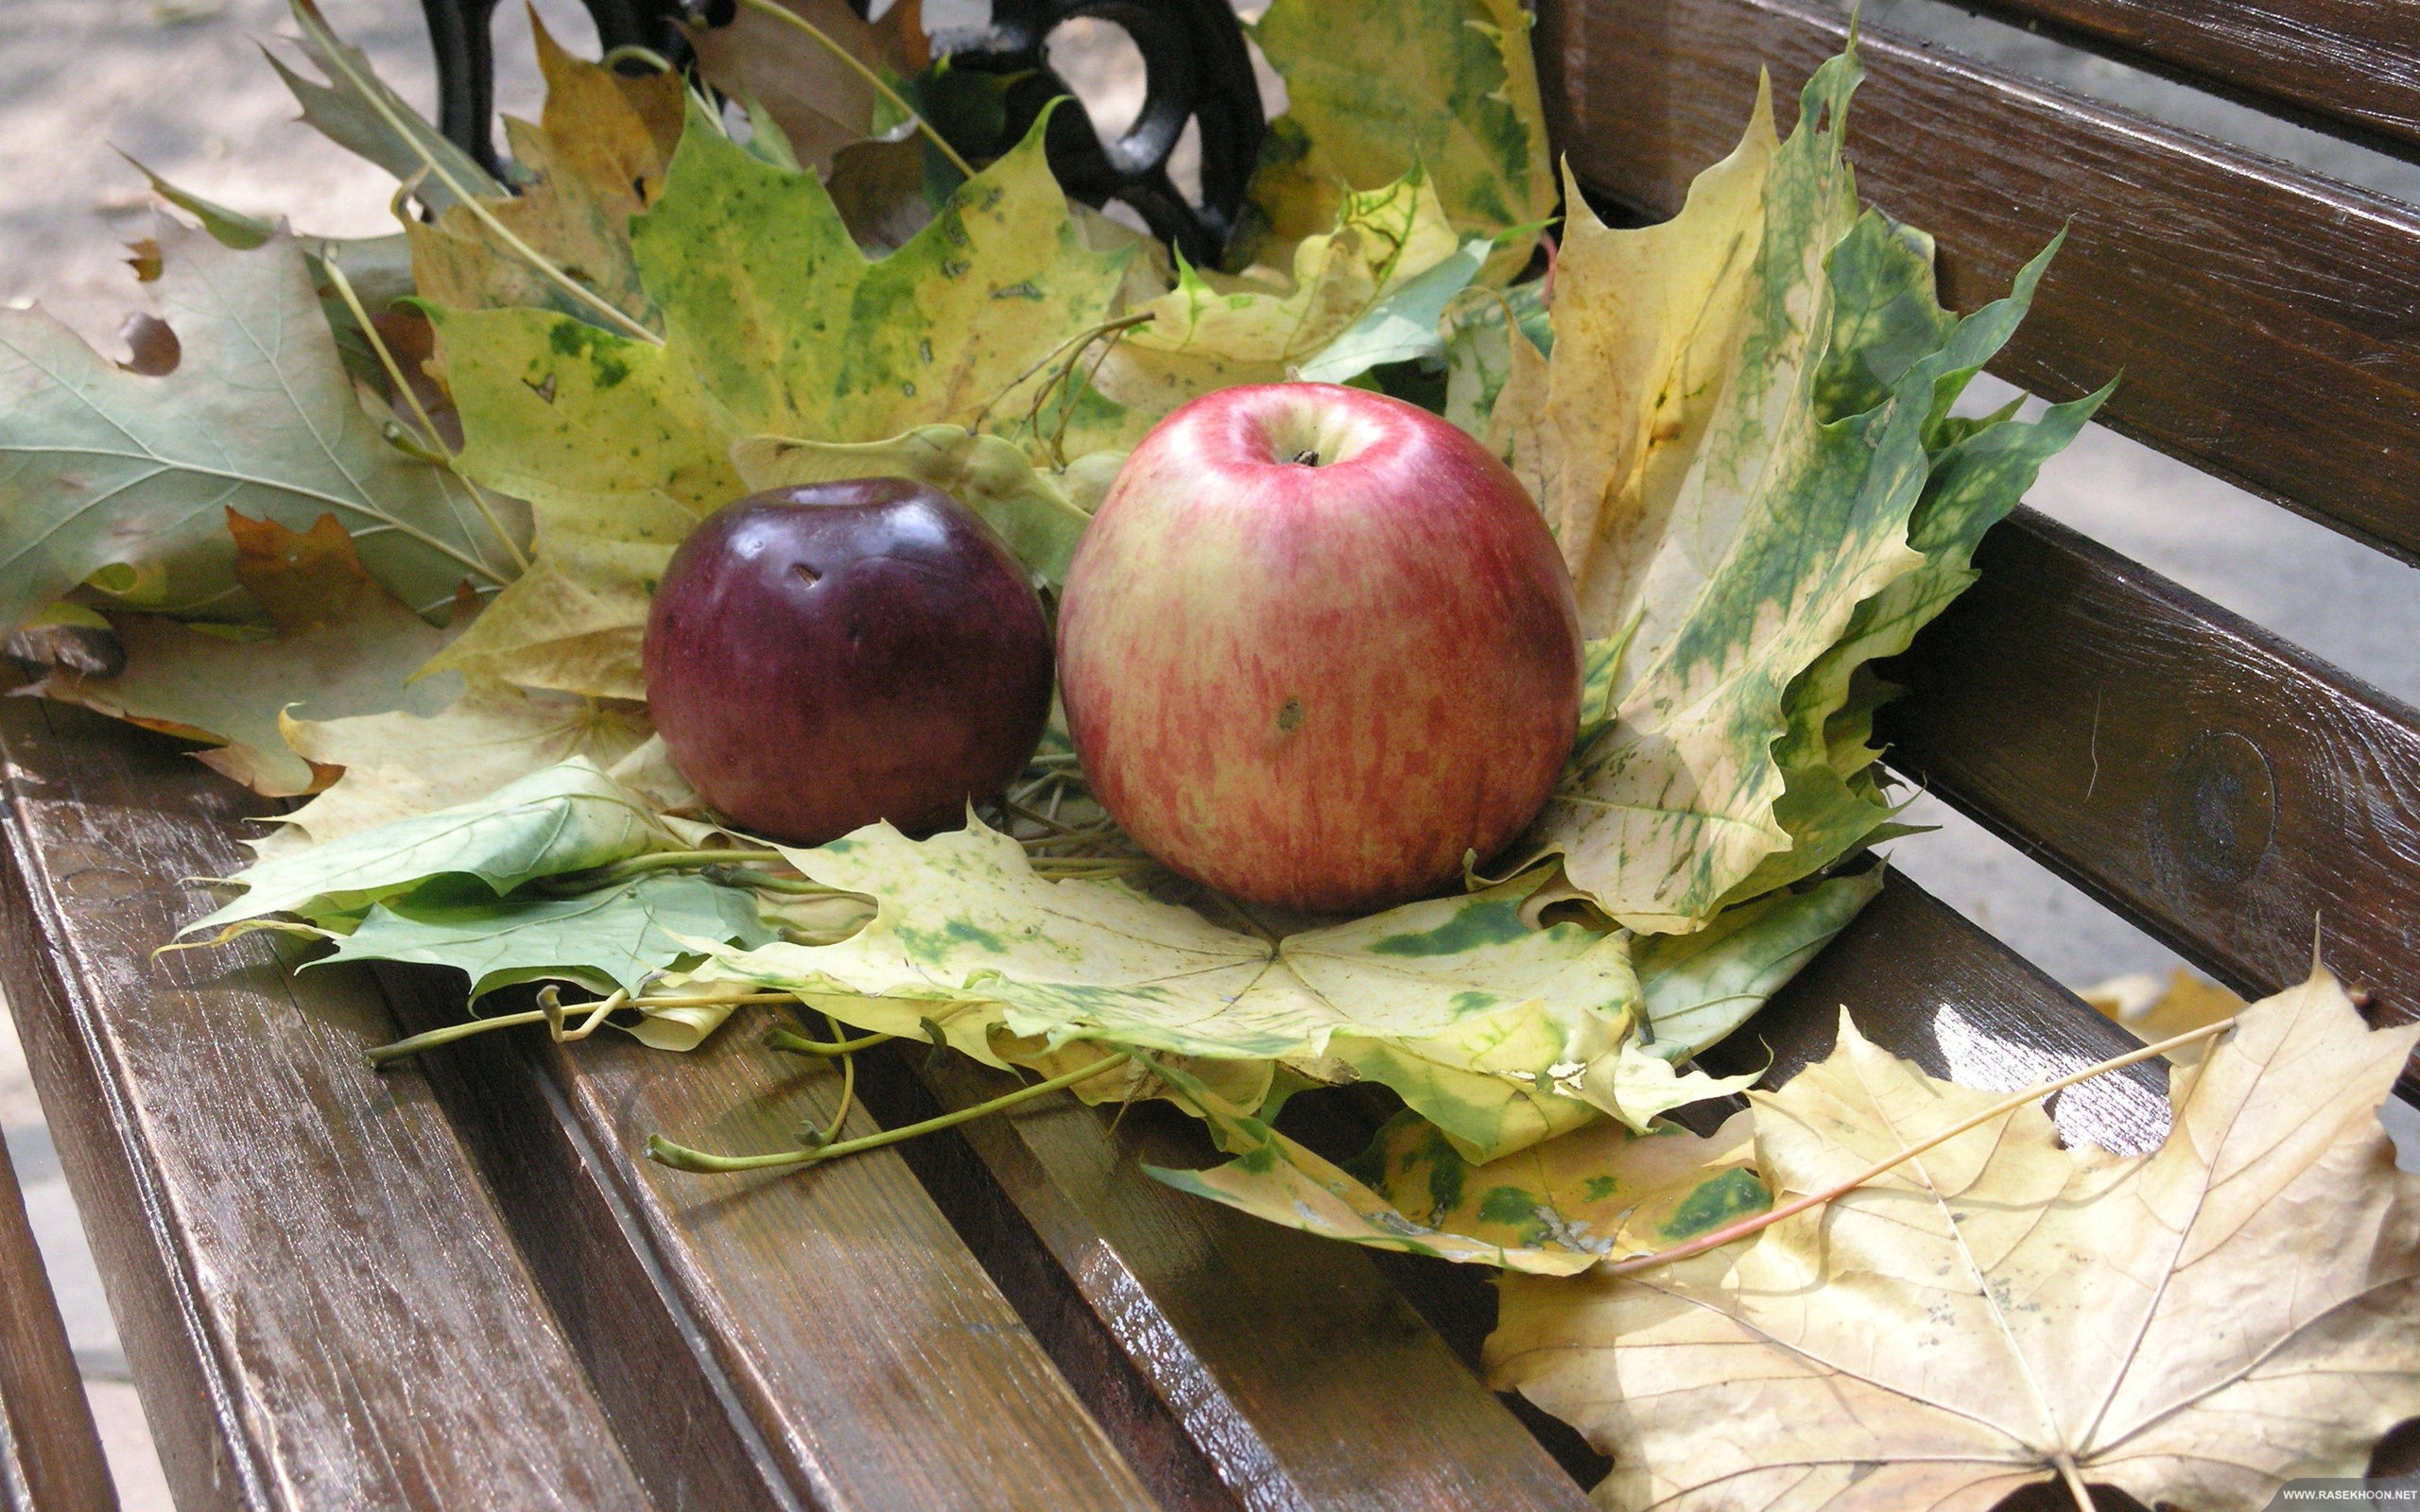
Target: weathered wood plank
(2267, 321)
(1302, 1375)
(2350, 66)
(817, 1339)
(318, 1300)
(2223, 789)
(50, 1454)
(1920, 980)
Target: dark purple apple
(822, 657)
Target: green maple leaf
(568, 817)
(774, 323)
(1886, 321)
(1374, 87)
(357, 111)
(125, 480)
(614, 937)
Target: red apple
(1317, 646)
(820, 658)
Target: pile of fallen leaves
(378, 521)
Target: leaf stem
(1731, 1233)
(1082, 337)
(639, 865)
(335, 60)
(799, 1044)
(429, 1040)
(940, 143)
(737, 876)
(633, 52)
(823, 1139)
(672, 1000)
(682, 1158)
(2073, 1479)
(549, 1012)
(428, 426)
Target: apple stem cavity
(682, 1158)
(1307, 458)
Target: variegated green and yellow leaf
(1500, 1032)
(1741, 532)
(1555, 1209)
(774, 323)
(1213, 332)
(1376, 87)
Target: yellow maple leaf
(2195, 1327)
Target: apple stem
(681, 1157)
(1307, 458)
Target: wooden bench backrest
(2219, 787)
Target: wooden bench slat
(2267, 321)
(50, 1452)
(1923, 982)
(819, 1339)
(645, 1358)
(2221, 788)
(2352, 63)
(321, 1304)
(1306, 1378)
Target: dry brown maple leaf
(344, 647)
(2195, 1326)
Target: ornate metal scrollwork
(1196, 67)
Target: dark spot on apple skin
(1290, 714)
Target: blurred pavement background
(179, 84)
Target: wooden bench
(463, 1287)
